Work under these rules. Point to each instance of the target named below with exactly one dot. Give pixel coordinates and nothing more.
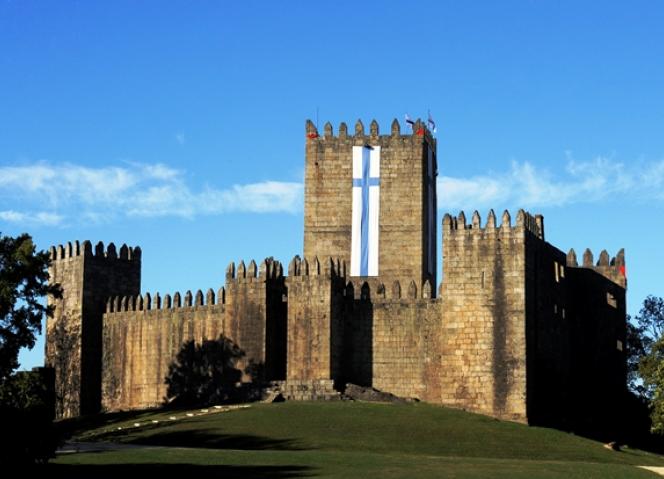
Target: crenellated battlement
(148, 302)
(330, 268)
(359, 288)
(604, 260)
(419, 133)
(524, 220)
(613, 268)
(76, 249)
(268, 269)
(377, 291)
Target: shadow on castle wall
(206, 373)
(357, 327)
(63, 336)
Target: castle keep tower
(370, 200)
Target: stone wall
(405, 234)
(249, 292)
(63, 330)
(549, 319)
(406, 345)
(484, 315)
(315, 296)
(597, 341)
(361, 333)
(141, 341)
(520, 332)
(575, 338)
(74, 334)
(143, 335)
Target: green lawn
(345, 439)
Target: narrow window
(619, 345)
(555, 271)
(555, 309)
(482, 279)
(562, 271)
(562, 312)
(611, 300)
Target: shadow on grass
(113, 471)
(206, 440)
(72, 426)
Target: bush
(26, 414)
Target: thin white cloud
(525, 185)
(49, 195)
(41, 218)
(137, 190)
(180, 138)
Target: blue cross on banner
(366, 203)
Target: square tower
(371, 201)
(74, 333)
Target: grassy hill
(343, 439)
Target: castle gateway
(516, 330)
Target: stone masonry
(516, 330)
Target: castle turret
(74, 333)
(484, 303)
(370, 200)
(315, 295)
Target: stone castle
(517, 329)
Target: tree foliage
(651, 369)
(638, 346)
(23, 284)
(645, 357)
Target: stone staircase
(306, 390)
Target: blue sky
(179, 126)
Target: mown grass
(346, 439)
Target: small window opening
(555, 271)
(611, 300)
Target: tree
(638, 345)
(652, 372)
(645, 358)
(23, 283)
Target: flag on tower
(432, 124)
(410, 122)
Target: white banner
(366, 204)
